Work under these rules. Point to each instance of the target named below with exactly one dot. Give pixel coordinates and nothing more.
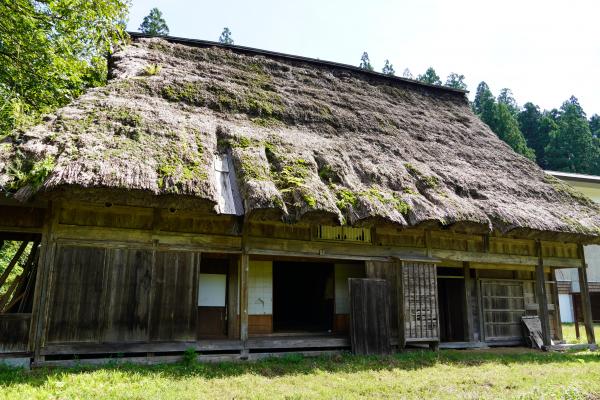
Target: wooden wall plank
(369, 316)
(126, 295)
(75, 295)
(173, 296)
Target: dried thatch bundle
(310, 141)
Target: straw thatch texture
(310, 142)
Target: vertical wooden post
(244, 303)
(479, 307)
(233, 322)
(41, 295)
(576, 313)
(400, 304)
(555, 300)
(467, 308)
(585, 299)
(540, 291)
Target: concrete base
(16, 362)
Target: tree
(506, 97)
(507, 129)
(571, 146)
(456, 81)
(536, 127)
(595, 125)
(365, 63)
(500, 119)
(154, 24)
(483, 102)
(51, 51)
(407, 74)
(225, 37)
(430, 77)
(388, 68)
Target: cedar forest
(53, 50)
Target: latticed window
(343, 233)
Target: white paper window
(260, 288)
(212, 289)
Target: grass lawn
(569, 333)
(471, 374)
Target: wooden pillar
(555, 300)
(467, 308)
(233, 321)
(41, 295)
(244, 303)
(542, 299)
(585, 299)
(479, 306)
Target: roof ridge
(253, 50)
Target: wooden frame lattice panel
(420, 302)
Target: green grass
(493, 374)
(569, 333)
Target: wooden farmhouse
(243, 203)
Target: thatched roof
(310, 141)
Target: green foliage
(51, 52)
(152, 69)
(189, 357)
(28, 173)
(154, 24)
(571, 147)
(506, 97)
(536, 128)
(388, 68)
(595, 125)
(7, 253)
(430, 77)
(407, 74)
(225, 37)
(456, 81)
(501, 118)
(365, 63)
(345, 198)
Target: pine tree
(225, 37)
(595, 125)
(154, 24)
(388, 68)
(536, 127)
(456, 81)
(506, 97)
(365, 63)
(501, 120)
(430, 77)
(571, 146)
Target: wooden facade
(115, 280)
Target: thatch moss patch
(27, 173)
(191, 93)
(565, 189)
(428, 181)
(392, 199)
(345, 198)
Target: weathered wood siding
(76, 297)
(14, 332)
(173, 296)
(110, 295)
(369, 316)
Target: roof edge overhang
(291, 57)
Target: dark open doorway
(303, 298)
(451, 294)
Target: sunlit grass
(569, 333)
(492, 374)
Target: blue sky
(544, 51)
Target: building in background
(568, 281)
